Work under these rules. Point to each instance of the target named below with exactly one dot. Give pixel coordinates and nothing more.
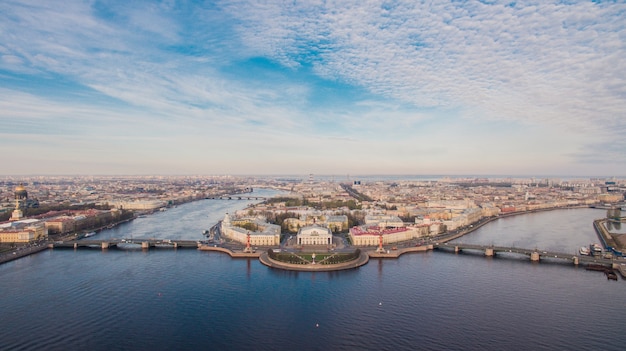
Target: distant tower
(311, 178)
(21, 195)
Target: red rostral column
(248, 242)
(380, 242)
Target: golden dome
(20, 192)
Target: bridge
(126, 243)
(535, 254)
(237, 197)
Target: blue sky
(323, 87)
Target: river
(187, 299)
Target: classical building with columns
(370, 235)
(266, 234)
(314, 235)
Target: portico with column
(314, 235)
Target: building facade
(266, 234)
(24, 231)
(139, 205)
(314, 235)
(60, 225)
(370, 235)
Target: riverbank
(22, 252)
(231, 253)
(398, 252)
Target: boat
(90, 234)
(595, 249)
(584, 250)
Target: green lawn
(321, 258)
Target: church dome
(20, 191)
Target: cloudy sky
(323, 87)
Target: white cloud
(549, 63)
(432, 70)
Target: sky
(313, 87)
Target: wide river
(89, 299)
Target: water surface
(187, 299)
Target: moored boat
(595, 249)
(584, 250)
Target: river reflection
(615, 227)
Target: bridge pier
(534, 257)
(105, 245)
(145, 245)
(456, 249)
(75, 246)
(575, 259)
(175, 245)
(489, 252)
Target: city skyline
(246, 87)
